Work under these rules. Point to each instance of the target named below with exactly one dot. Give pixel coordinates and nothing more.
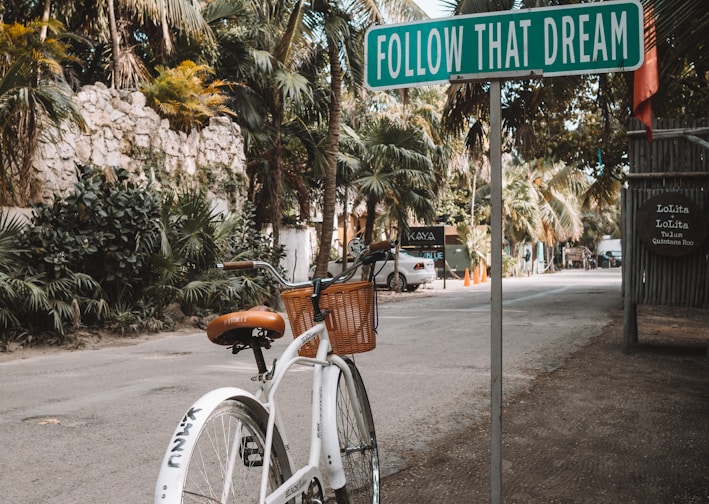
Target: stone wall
(123, 132)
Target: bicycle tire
(208, 460)
(360, 457)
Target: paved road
(91, 426)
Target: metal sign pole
(496, 289)
(496, 237)
(389, 50)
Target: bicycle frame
(263, 407)
(323, 428)
(323, 441)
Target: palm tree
(33, 96)
(396, 176)
(536, 114)
(262, 52)
(344, 25)
(559, 189)
(541, 202)
(129, 36)
(397, 179)
(520, 206)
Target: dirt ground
(606, 427)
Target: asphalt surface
(92, 426)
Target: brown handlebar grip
(237, 265)
(382, 245)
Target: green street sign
(565, 40)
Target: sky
(434, 8)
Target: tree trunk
(45, 19)
(473, 253)
(165, 26)
(397, 284)
(333, 141)
(276, 196)
(345, 218)
(28, 139)
(369, 222)
(474, 187)
(115, 45)
(368, 233)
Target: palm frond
(295, 87)
(197, 291)
(11, 229)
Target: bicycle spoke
(359, 454)
(228, 458)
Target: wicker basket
(350, 323)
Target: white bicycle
(231, 445)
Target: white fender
(330, 442)
(168, 489)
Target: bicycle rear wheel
(228, 457)
(360, 456)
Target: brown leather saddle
(237, 327)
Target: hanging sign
(671, 224)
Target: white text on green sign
(582, 38)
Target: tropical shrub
(114, 255)
(107, 228)
(185, 96)
(11, 289)
(33, 307)
(242, 241)
(196, 239)
(188, 251)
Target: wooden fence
(674, 165)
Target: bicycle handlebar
(372, 247)
(382, 245)
(236, 265)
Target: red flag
(646, 79)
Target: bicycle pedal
(250, 452)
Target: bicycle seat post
(258, 355)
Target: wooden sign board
(671, 224)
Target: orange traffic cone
(476, 274)
(466, 281)
(484, 278)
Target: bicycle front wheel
(360, 457)
(227, 460)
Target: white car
(413, 271)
